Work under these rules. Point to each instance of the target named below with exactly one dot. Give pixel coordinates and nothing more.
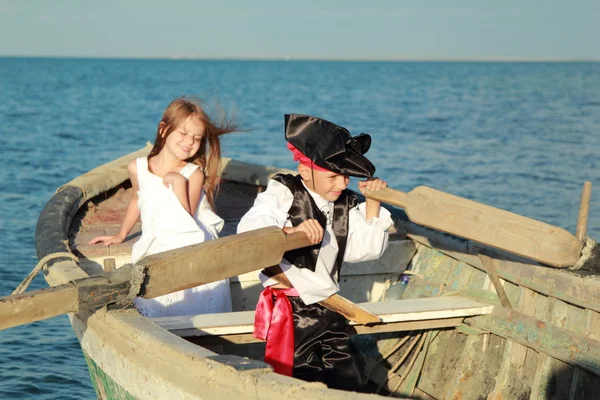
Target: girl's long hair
(208, 155)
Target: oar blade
(492, 226)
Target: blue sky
(371, 29)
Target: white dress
(166, 225)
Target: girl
(174, 191)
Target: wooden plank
(390, 311)
(573, 348)
(427, 308)
(512, 381)
(584, 208)
(578, 289)
(541, 376)
(576, 378)
(445, 351)
(488, 263)
(240, 338)
(479, 360)
(407, 388)
(491, 226)
(408, 326)
(560, 373)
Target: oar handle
(351, 311)
(296, 240)
(155, 275)
(36, 305)
(388, 196)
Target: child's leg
(307, 341)
(323, 350)
(344, 365)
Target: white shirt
(367, 240)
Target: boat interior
(431, 344)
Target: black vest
(303, 208)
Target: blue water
(519, 136)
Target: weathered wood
(513, 381)
(77, 295)
(36, 305)
(580, 385)
(221, 335)
(426, 313)
(409, 385)
(573, 348)
(164, 273)
(478, 360)
(552, 377)
(335, 302)
(109, 264)
(584, 208)
(404, 326)
(211, 261)
(488, 225)
(428, 308)
(488, 263)
(582, 290)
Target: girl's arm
(131, 215)
(194, 189)
(187, 191)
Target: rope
(23, 285)
(586, 253)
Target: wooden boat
(448, 338)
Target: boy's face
(327, 184)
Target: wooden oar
(351, 311)
(155, 275)
(484, 224)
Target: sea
(520, 136)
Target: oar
(351, 311)
(155, 275)
(484, 224)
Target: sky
(313, 29)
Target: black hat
(329, 146)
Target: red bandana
(302, 159)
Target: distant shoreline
(316, 59)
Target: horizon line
(193, 57)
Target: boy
(304, 339)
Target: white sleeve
(270, 208)
(367, 240)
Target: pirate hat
(329, 146)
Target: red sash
(274, 322)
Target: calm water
(519, 136)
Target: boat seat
(396, 315)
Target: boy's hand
(173, 178)
(311, 227)
(371, 184)
(372, 208)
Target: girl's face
(184, 141)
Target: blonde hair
(208, 155)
